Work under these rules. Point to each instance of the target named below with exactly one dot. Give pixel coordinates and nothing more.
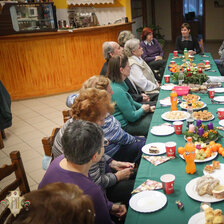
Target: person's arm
(124, 103)
(161, 53)
(178, 45)
(221, 50)
(140, 80)
(145, 56)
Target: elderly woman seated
(124, 36)
(134, 117)
(94, 105)
(153, 53)
(72, 206)
(82, 142)
(141, 74)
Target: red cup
(207, 62)
(167, 78)
(172, 62)
(220, 112)
(178, 125)
(200, 70)
(170, 148)
(211, 93)
(175, 53)
(168, 183)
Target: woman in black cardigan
(186, 40)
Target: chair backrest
(67, 114)
(48, 142)
(21, 180)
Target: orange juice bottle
(173, 99)
(189, 156)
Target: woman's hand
(190, 52)
(117, 165)
(118, 210)
(123, 174)
(146, 107)
(158, 58)
(152, 108)
(145, 98)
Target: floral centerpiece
(202, 133)
(191, 75)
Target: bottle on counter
(189, 156)
(173, 99)
(190, 120)
(186, 55)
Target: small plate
(167, 86)
(184, 104)
(186, 115)
(218, 90)
(192, 193)
(219, 98)
(148, 201)
(208, 119)
(194, 94)
(198, 218)
(217, 173)
(166, 101)
(161, 147)
(221, 123)
(162, 130)
(204, 160)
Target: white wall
(214, 22)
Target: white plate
(187, 115)
(204, 160)
(166, 101)
(161, 147)
(218, 90)
(167, 86)
(162, 130)
(148, 201)
(217, 173)
(221, 123)
(184, 108)
(208, 119)
(198, 218)
(192, 193)
(219, 98)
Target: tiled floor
(33, 119)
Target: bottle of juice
(186, 53)
(189, 156)
(173, 99)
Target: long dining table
(170, 214)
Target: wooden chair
(67, 114)
(48, 142)
(21, 180)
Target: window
(195, 6)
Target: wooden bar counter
(39, 64)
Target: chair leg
(1, 141)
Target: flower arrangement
(202, 133)
(191, 75)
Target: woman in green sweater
(134, 117)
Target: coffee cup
(168, 183)
(220, 112)
(170, 148)
(175, 53)
(178, 125)
(167, 78)
(211, 93)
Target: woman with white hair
(141, 74)
(124, 36)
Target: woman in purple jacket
(153, 53)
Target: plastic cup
(207, 62)
(167, 78)
(170, 148)
(220, 112)
(175, 53)
(168, 183)
(172, 62)
(178, 125)
(211, 93)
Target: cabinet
(27, 18)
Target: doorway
(189, 11)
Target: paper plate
(197, 98)
(221, 123)
(162, 130)
(219, 98)
(161, 147)
(192, 193)
(208, 119)
(185, 116)
(217, 173)
(204, 160)
(184, 104)
(218, 90)
(167, 86)
(148, 201)
(198, 218)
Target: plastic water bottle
(190, 120)
(186, 53)
(189, 156)
(180, 78)
(173, 99)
